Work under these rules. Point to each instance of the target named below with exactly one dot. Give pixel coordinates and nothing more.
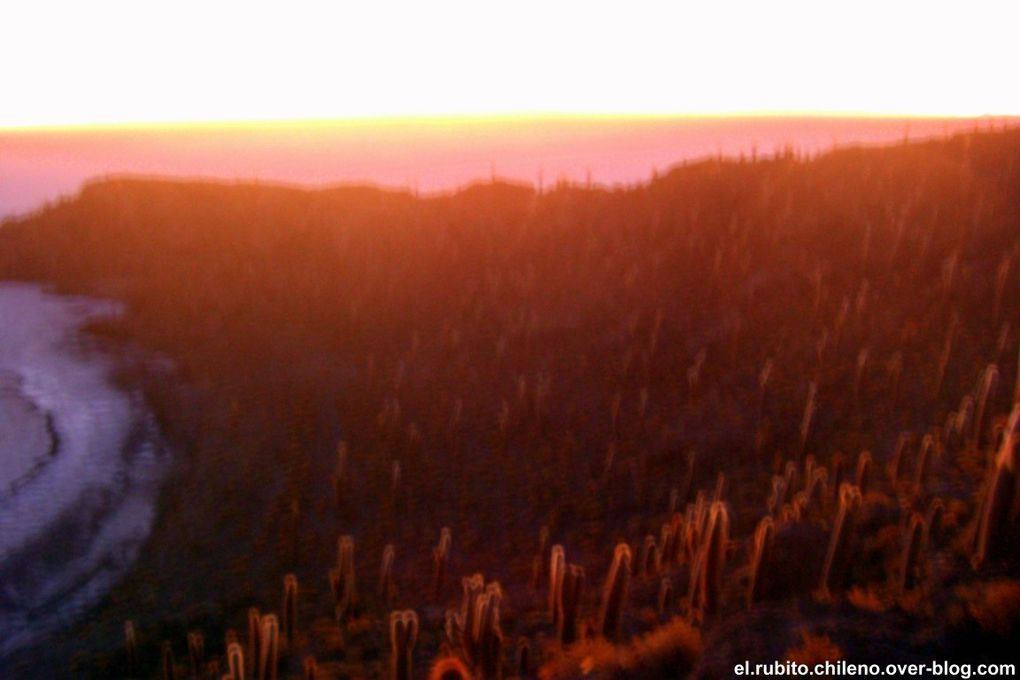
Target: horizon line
(494, 117)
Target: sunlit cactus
(487, 634)
(761, 552)
(403, 636)
(269, 648)
(235, 661)
(614, 593)
(571, 592)
(474, 587)
(706, 575)
(557, 565)
(997, 509)
(839, 553)
(441, 562)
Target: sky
(87, 63)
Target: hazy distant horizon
(428, 155)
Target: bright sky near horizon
(80, 63)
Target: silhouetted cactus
(269, 648)
(864, 464)
(570, 594)
(838, 554)
(403, 635)
(254, 635)
(648, 559)
(986, 388)
(910, 559)
(924, 456)
(386, 587)
(522, 663)
(167, 661)
(614, 593)
(664, 598)
(761, 552)
(310, 668)
(290, 596)
(340, 476)
(488, 636)
(196, 652)
(808, 417)
(899, 457)
(441, 562)
(131, 646)
(342, 580)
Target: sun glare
(67, 63)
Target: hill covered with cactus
(752, 410)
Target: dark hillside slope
(584, 360)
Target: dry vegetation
(749, 410)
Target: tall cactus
(706, 577)
(269, 648)
(131, 646)
(614, 593)
(487, 635)
(167, 661)
(196, 652)
(557, 565)
(838, 554)
(997, 510)
(913, 547)
(441, 562)
(761, 553)
(342, 580)
(235, 661)
(571, 592)
(290, 596)
(403, 635)
(386, 587)
(864, 464)
(254, 634)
